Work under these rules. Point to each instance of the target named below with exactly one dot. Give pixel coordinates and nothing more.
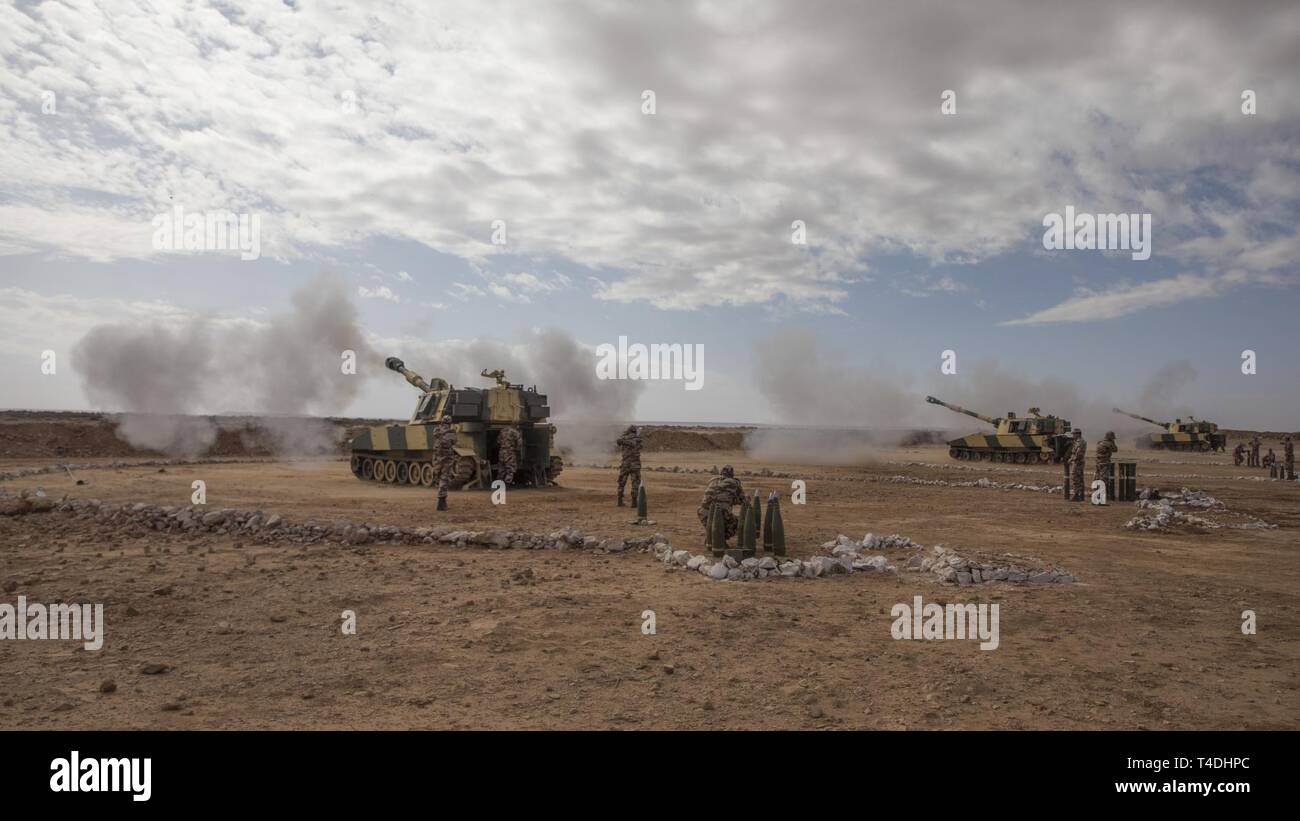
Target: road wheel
(427, 474)
(413, 473)
(390, 471)
(401, 473)
(356, 466)
(368, 469)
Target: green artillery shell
(719, 530)
(778, 532)
(767, 521)
(710, 529)
(747, 537)
(641, 503)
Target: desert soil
(249, 633)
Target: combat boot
(442, 502)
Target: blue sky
(380, 143)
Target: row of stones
(849, 557)
(947, 565)
(1159, 512)
(846, 555)
(729, 569)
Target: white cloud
(463, 291)
(1123, 300)
(405, 277)
(382, 292)
(505, 294)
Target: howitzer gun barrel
(395, 364)
(1142, 418)
(960, 409)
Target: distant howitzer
(1194, 434)
(1033, 438)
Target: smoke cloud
(1159, 396)
(160, 375)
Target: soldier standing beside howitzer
(1288, 458)
(444, 457)
(1078, 452)
(629, 465)
(723, 490)
(1239, 454)
(1106, 448)
(1254, 452)
(509, 443)
(1269, 461)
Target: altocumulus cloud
(429, 122)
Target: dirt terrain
(247, 633)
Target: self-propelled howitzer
(403, 454)
(1026, 439)
(1192, 434)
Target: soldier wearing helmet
(444, 457)
(725, 490)
(629, 465)
(1106, 448)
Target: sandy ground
(250, 633)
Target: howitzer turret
(403, 454)
(1034, 438)
(1194, 434)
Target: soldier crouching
(724, 490)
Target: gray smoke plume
(160, 375)
(840, 399)
(1159, 396)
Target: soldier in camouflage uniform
(1254, 452)
(1239, 454)
(725, 490)
(444, 457)
(1288, 457)
(1078, 452)
(1106, 448)
(509, 443)
(629, 466)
